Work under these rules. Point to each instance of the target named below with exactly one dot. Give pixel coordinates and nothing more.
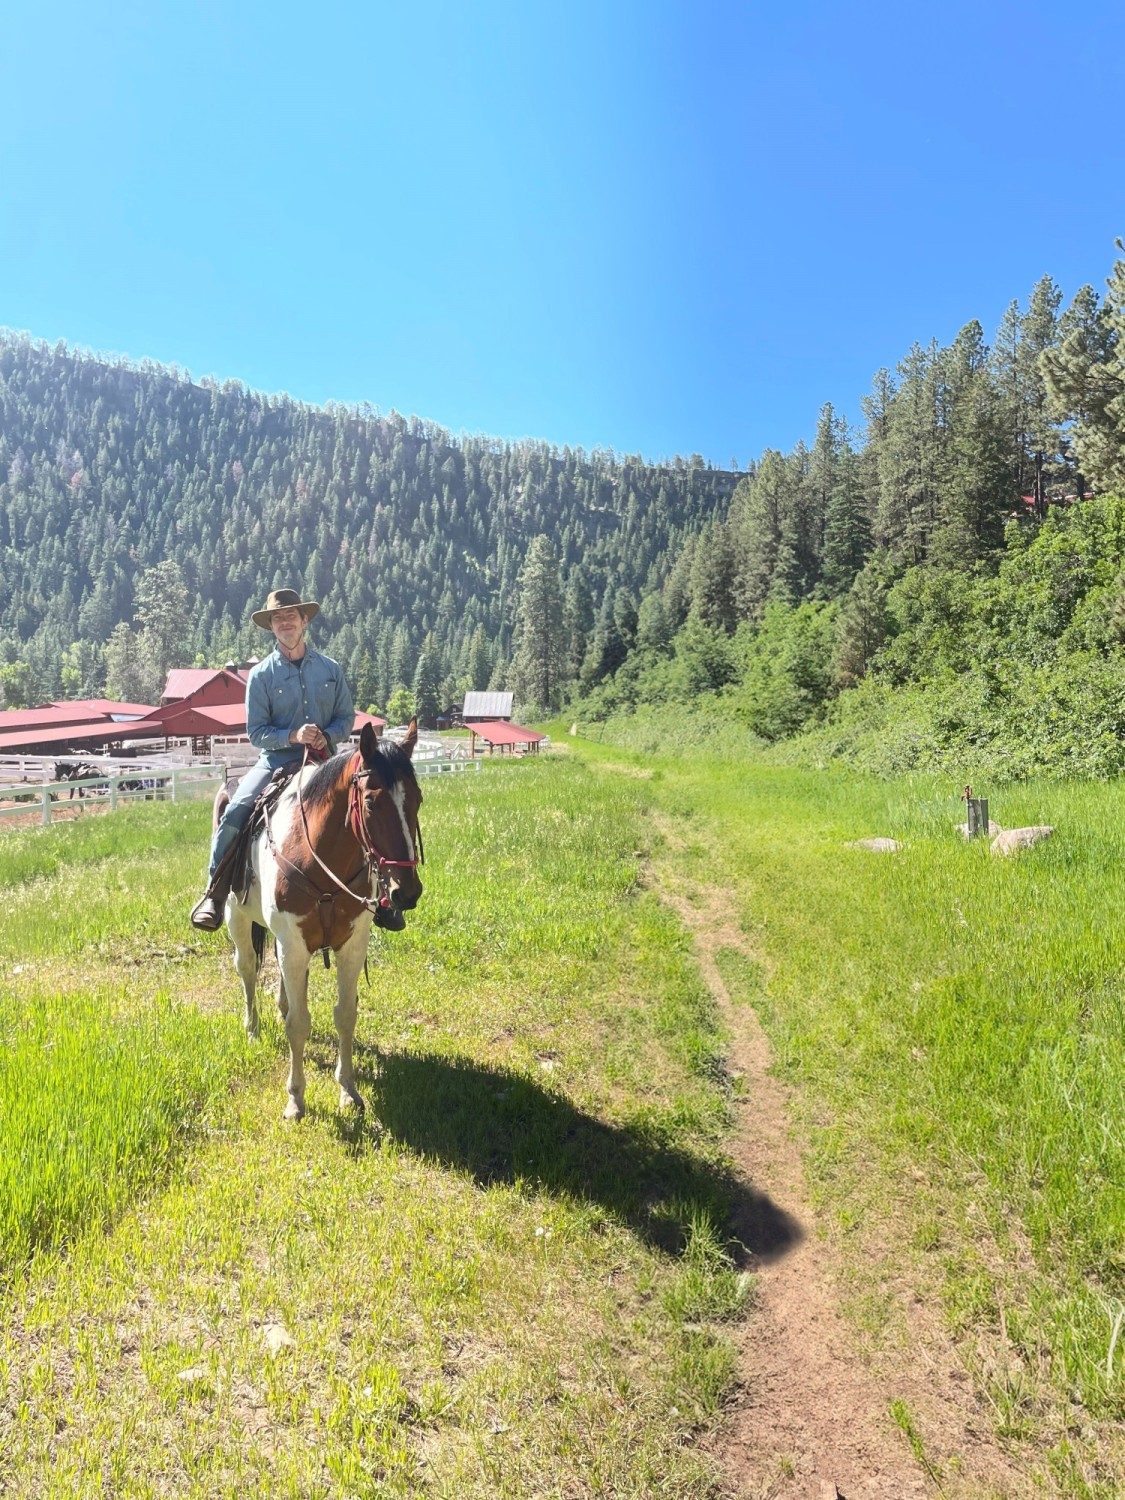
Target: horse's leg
(282, 997)
(349, 963)
(293, 961)
(239, 925)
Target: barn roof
(487, 706)
(102, 732)
(52, 716)
(109, 707)
(182, 682)
(500, 733)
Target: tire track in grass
(811, 1419)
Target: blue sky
(658, 227)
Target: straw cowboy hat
(283, 599)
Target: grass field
(509, 1279)
(512, 1278)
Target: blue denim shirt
(281, 695)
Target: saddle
(241, 869)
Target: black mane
(390, 765)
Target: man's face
(288, 625)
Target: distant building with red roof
(205, 685)
(502, 733)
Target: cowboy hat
(283, 599)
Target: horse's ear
(407, 746)
(368, 744)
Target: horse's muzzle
(406, 895)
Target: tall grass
(102, 1076)
(94, 1109)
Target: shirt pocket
(283, 703)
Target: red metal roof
(185, 682)
(497, 732)
(373, 719)
(109, 707)
(48, 718)
(104, 732)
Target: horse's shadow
(503, 1127)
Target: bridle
(375, 863)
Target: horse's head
(391, 798)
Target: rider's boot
(207, 913)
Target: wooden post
(976, 814)
(46, 806)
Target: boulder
(877, 846)
(1015, 839)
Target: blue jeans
(237, 812)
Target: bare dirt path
(812, 1418)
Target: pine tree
(1085, 377)
(847, 531)
(974, 490)
(539, 655)
(1077, 393)
(427, 682)
(862, 625)
(578, 620)
(480, 661)
(162, 612)
(130, 676)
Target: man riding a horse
(296, 700)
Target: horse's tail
(258, 938)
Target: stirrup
(207, 913)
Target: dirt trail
(812, 1419)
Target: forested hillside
(413, 540)
(143, 515)
(944, 585)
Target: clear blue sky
(653, 226)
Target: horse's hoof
(294, 1111)
(351, 1100)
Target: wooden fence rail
(163, 784)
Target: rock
(877, 846)
(277, 1338)
(993, 829)
(1015, 839)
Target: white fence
(138, 784)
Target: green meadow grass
(510, 1277)
(954, 1027)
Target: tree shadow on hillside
(501, 1127)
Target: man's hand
(309, 734)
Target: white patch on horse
(398, 796)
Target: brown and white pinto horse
(342, 837)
